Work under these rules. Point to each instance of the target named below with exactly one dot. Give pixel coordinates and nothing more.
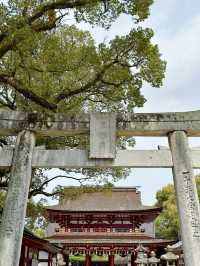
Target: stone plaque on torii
(103, 129)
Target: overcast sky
(176, 24)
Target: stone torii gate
(103, 129)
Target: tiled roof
(46, 245)
(117, 199)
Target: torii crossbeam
(103, 129)
(131, 124)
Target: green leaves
(167, 223)
(75, 192)
(62, 69)
(35, 216)
(103, 13)
(67, 70)
(49, 66)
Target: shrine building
(105, 223)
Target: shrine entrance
(103, 129)
(104, 226)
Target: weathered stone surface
(155, 124)
(102, 135)
(79, 159)
(130, 125)
(187, 198)
(12, 225)
(6, 156)
(153, 261)
(142, 258)
(170, 257)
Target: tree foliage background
(167, 223)
(49, 66)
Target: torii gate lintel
(103, 129)
(130, 124)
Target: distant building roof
(42, 243)
(116, 199)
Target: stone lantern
(142, 259)
(61, 261)
(170, 257)
(153, 261)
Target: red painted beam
(95, 226)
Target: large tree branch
(40, 189)
(14, 83)
(45, 193)
(98, 77)
(7, 45)
(8, 40)
(60, 4)
(114, 84)
(51, 24)
(63, 176)
(28, 94)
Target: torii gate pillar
(12, 224)
(186, 196)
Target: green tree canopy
(47, 65)
(57, 67)
(167, 223)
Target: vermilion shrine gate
(103, 129)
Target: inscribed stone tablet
(102, 135)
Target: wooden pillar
(66, 259)
(12, 225)
(111, 260)
(133, 258)
(50, 259)
(22, 258)
(187, 197)
(87, 260)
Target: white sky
(176, 24)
